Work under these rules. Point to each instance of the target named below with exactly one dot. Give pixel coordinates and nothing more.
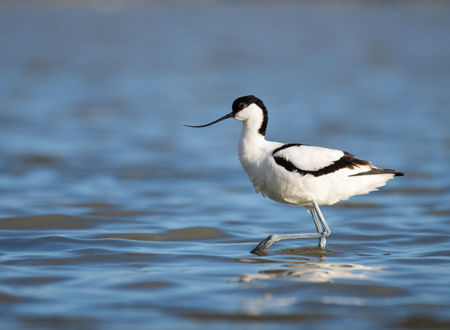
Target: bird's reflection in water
(314, 272)
(299, 265)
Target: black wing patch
(285, 146)
(346, 161)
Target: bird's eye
(241, 105)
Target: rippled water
(115, 216)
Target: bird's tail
(376, 170)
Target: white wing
(308, 158)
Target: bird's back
(298, 174)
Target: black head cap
(244, 101)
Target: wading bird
(298, 174)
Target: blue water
(115, 216)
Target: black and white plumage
(299, 174)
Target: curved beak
(230, 115)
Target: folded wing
(316, 161)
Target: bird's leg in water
(325, 232)
(322, 228)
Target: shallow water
(115, 216)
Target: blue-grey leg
(316, 221)
(325, 232)
(321, 226)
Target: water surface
(115, 216)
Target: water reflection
(257, 306)
(314, 272)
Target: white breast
(296, 187)
(253, 153)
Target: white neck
(251, 143)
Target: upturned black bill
(230, 115)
